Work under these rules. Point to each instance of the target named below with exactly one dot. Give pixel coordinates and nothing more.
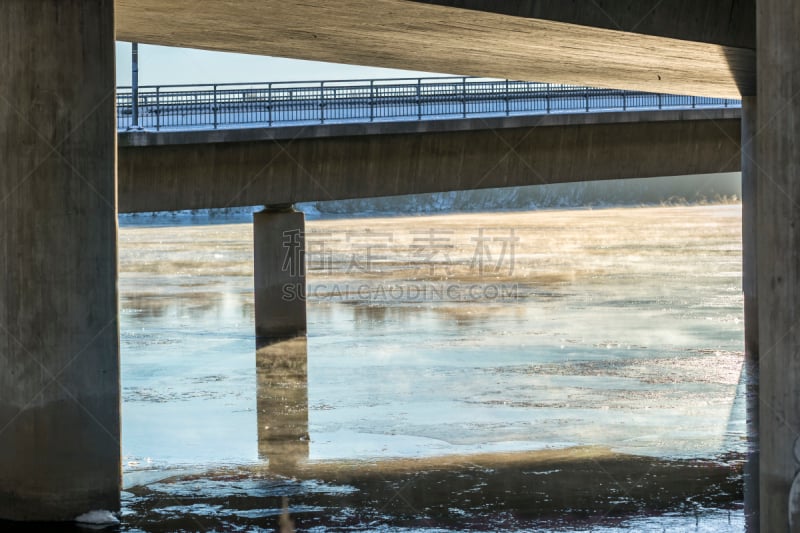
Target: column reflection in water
(282, 402)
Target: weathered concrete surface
(778, 230)
(280, 273)
(726, 22)
(59, 342)
(750, 289)
(435, 38)
(277, 170)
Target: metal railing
(285, 103)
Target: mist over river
(551, 370)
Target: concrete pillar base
(280, 273)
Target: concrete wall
(274, 169)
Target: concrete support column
(282, 374)
(778, 235)
(280, 272)
(750, 289)
(59, 339)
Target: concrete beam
(435, 38)
(273, 169)
(59, 340)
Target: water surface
(542, 370)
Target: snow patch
(98, 518)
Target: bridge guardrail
(285, 103)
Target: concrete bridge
(59, 341)
(190, 147)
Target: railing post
(269, 104)
(322, 102)
(215, 107)
(158, 108)
(371, 100)
(586, 96)
(547, 98)
(134, 86)
(134, 109)
(419, 99)
(694, 102)
(508, 103)
(659, 100)
(624, 101)
(464, 97)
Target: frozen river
(577, 370)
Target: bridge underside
(726, 22)
(702, 48)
